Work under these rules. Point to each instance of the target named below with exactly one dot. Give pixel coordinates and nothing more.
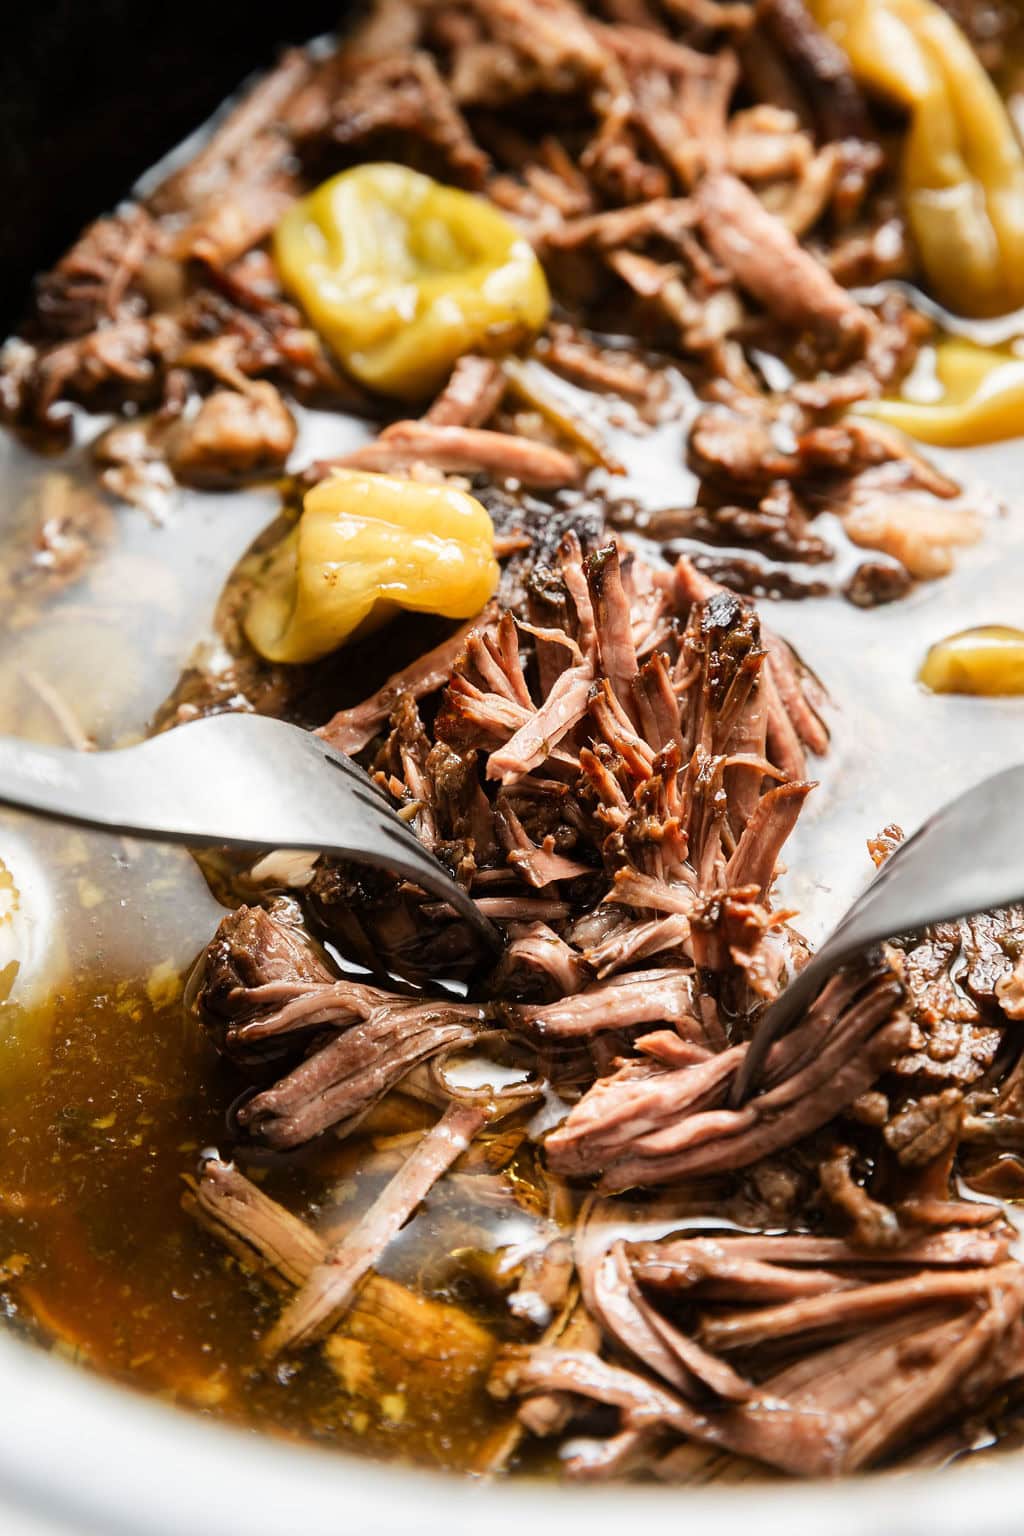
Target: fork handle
(113, 792)
(56, 782)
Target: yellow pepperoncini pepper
(963, 170)
(988, 660)
(979, 398)
(364, 546)
(401, 275)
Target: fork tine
(153, 790)
(402, 850)
(407, 856)
(369, 796)
(925, 880)
(772, 1023)
(382, 840)
(344, 764)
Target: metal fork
(966, 858)
(243, 781)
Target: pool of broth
(109, 1096)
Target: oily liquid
(100, 1260)
(108, 1095)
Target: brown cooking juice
(109, 1095)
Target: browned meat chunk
(464, 451)
(232, 437)
(772, 267)
(821, 68)
(741, 449)
(399, 108)
(472, 394)
(122, 361)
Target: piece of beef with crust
(821, 68)
(774, 269)
(399, 108)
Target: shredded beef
(398, 108)
(233, 436)
(98, 280)
(643, 1126)
(652, 190)
(821, 69)
(471, 395)
(772, 267)
(917, 1343)
(875, 582)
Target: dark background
(94, 91)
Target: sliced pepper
(365, 546)
(963, 168)
(401, 275)
(980, 399)
(987, 660)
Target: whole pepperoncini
(401, 275)
(988, 660)
(978, 397)
(366, 545)
(963, 168)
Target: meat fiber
(869, 1360)
(772, 267)
(650, 1125)
(462, 450)
(328, 1289)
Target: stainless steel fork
(243, 781)
(966, 858)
